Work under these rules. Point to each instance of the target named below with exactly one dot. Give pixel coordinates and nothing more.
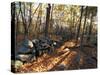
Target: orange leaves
(69, 44)
(62, 59)
(44, 63)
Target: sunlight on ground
(63, 57)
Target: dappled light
(53, 37)
(64, 57)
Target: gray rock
(23, 57)
(28, 43)
(24, 50)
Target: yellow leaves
(62, 47)
(68, 44)
(44, 63)
(64, 56)
(40, 12)
(61, 7)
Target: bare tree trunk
(71, 26)
(35, 10)
(30, 19)
(81, 43)
(47, 20)
(23, 19)
(40, 16)
(74, 26)
(36, 27)
(82, 36)
(17, 23)
(90, 28)
(17, 19)
(33, 16)
(51, 19)
(78, 29)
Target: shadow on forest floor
(64, 58)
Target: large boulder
(18, 64)
(28, 43)
(23, 57)
(24, 50)
(35, 41)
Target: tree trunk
(51, 19)
(90, 28)
(82, 36)
(17, 20)
(81, 43)
(17, 24)
(30, 19)
(37, 25)
(47, 20)
(78, 29)
(24, 24)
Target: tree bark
(24, 24)
(47, 19)
(78, 29)
(51, 19)
(90, 28)
(82, 36)
(30, 19)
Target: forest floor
(66, 57)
